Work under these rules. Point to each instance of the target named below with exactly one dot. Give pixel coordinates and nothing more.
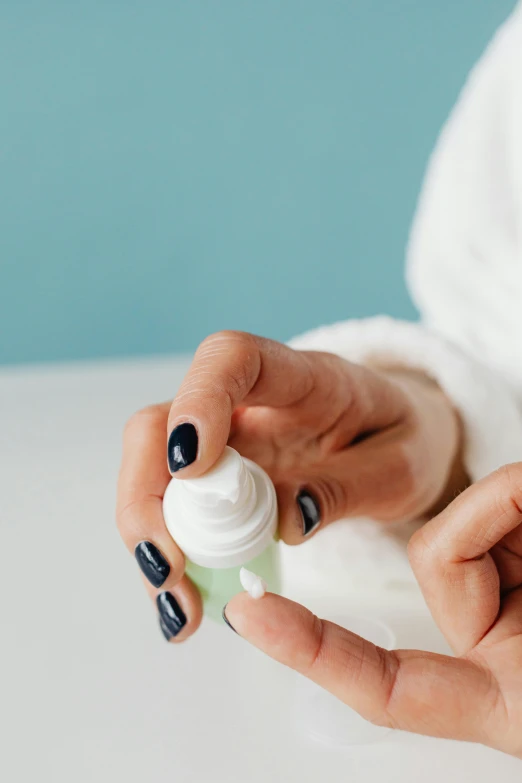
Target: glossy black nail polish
(164, 630)
(310, 511)
(171, 613)
(182, 448)
(227, 621)
(155, 567)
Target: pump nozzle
(225, 517)
(225, 485)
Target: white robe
(464, 270)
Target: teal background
(171, 168)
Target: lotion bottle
(222, 521)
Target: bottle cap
(224, 518)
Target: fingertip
(180, 611)
(226, 620)
(177, 569)
(182, 446)
(276, 625)
(152, 562)
(167, 635)
(309, 511)
(245, 614)
(300, 514)
(195, 445)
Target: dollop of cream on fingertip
(252, 583)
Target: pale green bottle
(222, 521)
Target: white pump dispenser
(226, 517)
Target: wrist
(440, 436)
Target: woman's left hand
(468, 561)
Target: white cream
(252, 583)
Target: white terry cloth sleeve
(367, 560)
(465, 273)
(490, 414)
(465, 265)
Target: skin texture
(468, 561)
(382, 442)
(378, 442)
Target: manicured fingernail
(310, 511)
(182, 448)
(164, 630)
(225, 618)
(155, 567)
(171, 613)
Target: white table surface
(89, 691)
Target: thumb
(229, 369)
(402, 689)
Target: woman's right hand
(468, 562)
(337, 439)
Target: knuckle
(504, 488)
(418, 549)
(507, 483)
(314, 656)
(427, 560)
(236, 381)
(354, 400)
(390, 681)
(132, 518)
(512, 471)
(124, 521)
(242, 364)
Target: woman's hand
(468, 562)
(337, 440)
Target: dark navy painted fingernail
(155, 567)
(182, 448)
(225, 618)
(310, 511)
(164, 630)
(171, 613)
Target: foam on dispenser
(226, 517)
(225, 485)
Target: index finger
(141, 485)
(229, 368)
(403, 689)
